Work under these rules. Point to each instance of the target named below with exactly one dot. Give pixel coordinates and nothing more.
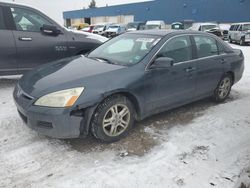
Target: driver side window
(27, 20)
(178, 48)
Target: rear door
(34, 47)
(238, 33)
(210, 64)
(8, 63)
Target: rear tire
(223, 89)
(113, 119)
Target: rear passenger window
(179, 49)
(1, 19)
(206, 46)
(236, 27)
(231, 28)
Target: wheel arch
(232, 74)
(133, 99)
(86, 124)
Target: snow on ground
(201, 145)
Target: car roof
(241, 23)
(164, 32)
(14, 3)
(205, 23)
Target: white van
(157, 24)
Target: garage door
(96, 20)
(127, 19)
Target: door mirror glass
(50, 30)
(162, 62)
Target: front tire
(113, 119)
(223, 89)
(242, 42)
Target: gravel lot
(200, 145)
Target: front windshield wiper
(103, 60)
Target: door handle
(190, 69)
(25, 38)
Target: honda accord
(127, 79)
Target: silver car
(239, 33)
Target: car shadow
(147, 133)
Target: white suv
(239, 33)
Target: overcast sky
(54, 8)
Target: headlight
(64, 98)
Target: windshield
(152, 27)
(126, 49)
(132, 25)
(98, 27)
(208, 27)
(246, 27)
(113, 27)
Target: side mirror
(50, 30)
(162, 63)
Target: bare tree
(92, 4)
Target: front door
(8, 63)
(169, 87)
(34, 47)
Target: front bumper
(52, 122)
(111, 34)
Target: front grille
(44, 124)
(225, 32)
(24, 118)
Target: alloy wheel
(224, 87)
(116, 120)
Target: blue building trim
(174, 10)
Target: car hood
(81, 34)
(132, 29)
(112, 30)
(63, 74)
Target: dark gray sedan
(128, 78)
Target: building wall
(174, 10)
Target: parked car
(114, 30)
(29, 38)
(177, 26)
(212, 28)
(225, 30)
(157, 24)
(240, 33)
(134, 26)
(88, 29)
(187, 23)
(128, 78)
(79, 26)
(101, 28)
